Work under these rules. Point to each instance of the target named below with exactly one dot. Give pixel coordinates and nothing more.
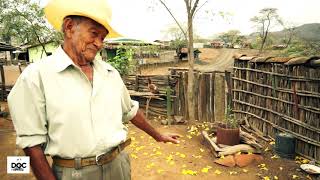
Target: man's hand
(169, 137)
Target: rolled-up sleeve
(129, 106)
(27, 108)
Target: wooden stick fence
(280, 95)
(210, 93)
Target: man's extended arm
(140, 121)
(39, 163)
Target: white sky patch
(135, 18)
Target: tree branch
(184, 33)
(199, 9)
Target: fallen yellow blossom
(275, 177)
(245, 170)
(201, 150)
(266, 178)
(272, 143)
(182, 155)
(295, 176)
(150, 165)
(217, 172)
(189, 172)
(160, 171)
(134, 156)
(233, 172)
(275, 157)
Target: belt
(101, 159)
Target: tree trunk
(190, 73)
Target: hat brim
(55, 16)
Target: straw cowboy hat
(97, 10)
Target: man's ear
(68, 27)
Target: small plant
(230, 121)
(122, 60)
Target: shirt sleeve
(27, 108)
(129, 106)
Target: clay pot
(228, 136)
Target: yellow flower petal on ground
(266, 149)
(177, 153)
(261, 165)
(134, 156)
(233, 172)
(305, 161)
(169, 158)
(295, 176)
(169, 143)
(238, 153)
(204, 170)
(182, 155)
(184, 166)
(133, 138)
(272, 143)
(160, 171)
(206, 129)
(188, 136)
(222, 157)
(177, 145)
(139, 148)
(275, 177)
(197, 156)
(217, 172)
(201, 150)
(245, 170)
(158, 153)
(266, 178)
(250, 152)
(264, 168)
(150, 165)
(275, 157)
(189, 172)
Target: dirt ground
(207, 57)
(190, 159)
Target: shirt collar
(63, 61)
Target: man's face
(87, 38)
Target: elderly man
(72, 107)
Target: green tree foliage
(302, 48)
(232, 37)
(122, 60)
(22, 21)
(265, 21)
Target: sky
(149, 20)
